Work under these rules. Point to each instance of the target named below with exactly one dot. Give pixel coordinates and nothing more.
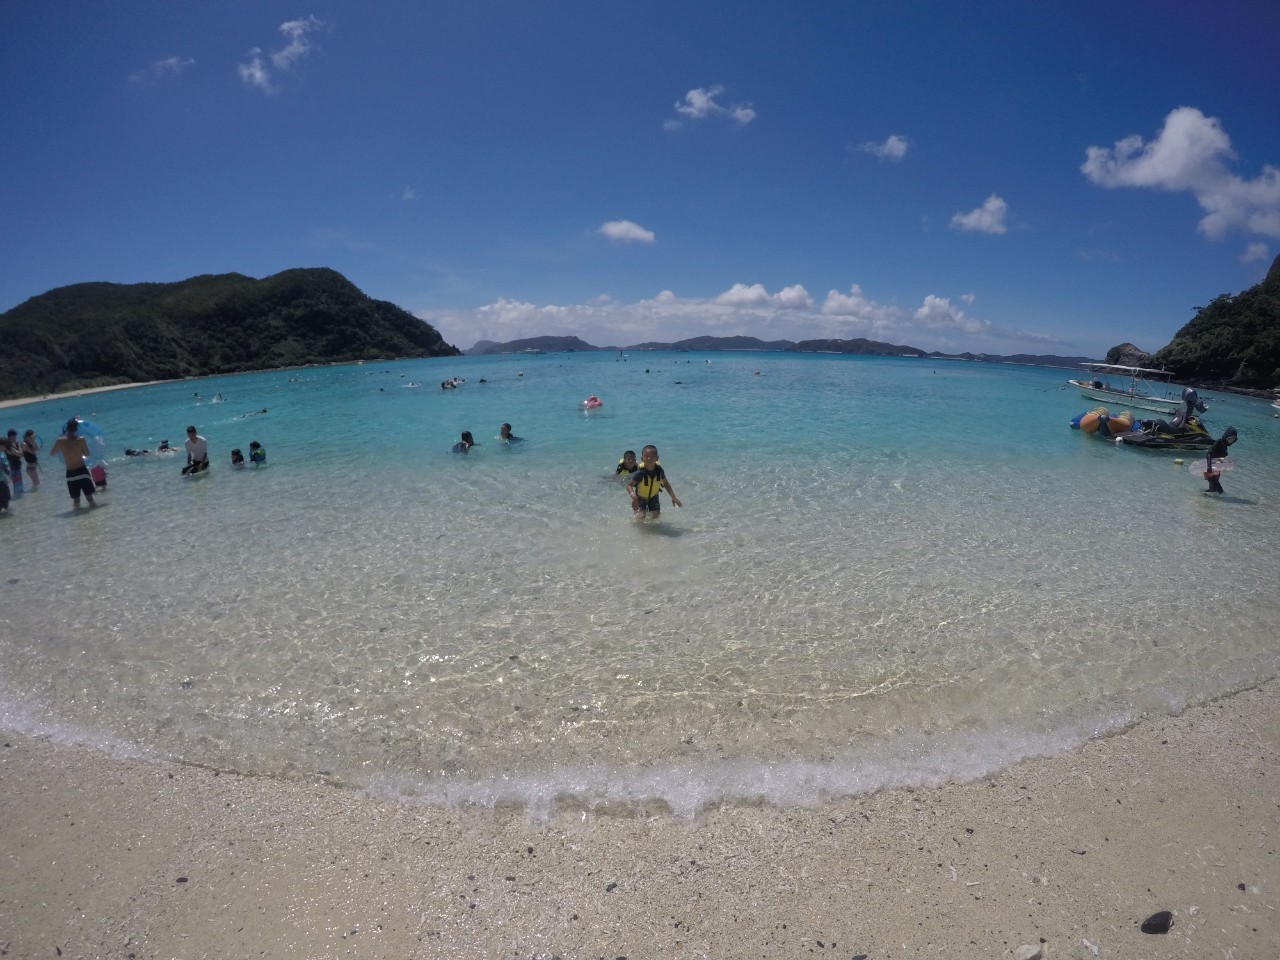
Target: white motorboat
(1118, 384)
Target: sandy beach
(71, 394)
(1067, 855)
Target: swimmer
(237, 458)
(505, 434)
(257, 454)
(465, 443)
(627, 465)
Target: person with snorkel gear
(1219, 450)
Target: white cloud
(1189, 155)
(1254, 252)
(169, 66)
(894, 148)
(940, 314)
(745, 309)
(789, 298)
(854, 307)
(624, 231)
(295, 31)
(701, 104)
(256, 72)
(988, 218)
(408, 195)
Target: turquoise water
(887, 571)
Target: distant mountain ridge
(859, 346)
(102, 334)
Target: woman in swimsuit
(29, 447)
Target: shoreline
(72, 394)
(1069, 854)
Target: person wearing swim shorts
(29, 447)
(645, 485)
(75, 451)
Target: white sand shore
(76, 393)
(110, 858)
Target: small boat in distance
(1130, 387)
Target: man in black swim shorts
(75, 450)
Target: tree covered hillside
(1234, 341)
(102, 334)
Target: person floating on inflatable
(257, 454)
(592, 402)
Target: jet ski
(1163, 435)
(1183, 432)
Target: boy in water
(645, 485)
(627, 465)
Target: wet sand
(107, 857)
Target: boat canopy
(1127, 371)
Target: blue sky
(1003, 177)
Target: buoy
(1178, 461)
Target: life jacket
(649, 485)
(259, 455)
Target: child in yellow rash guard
(646, 483)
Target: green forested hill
(1234, 341)
(100, 334)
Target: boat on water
(1130, 386)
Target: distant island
(104, 334)
(858, 346)
(107, 334)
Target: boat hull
(1127, 399)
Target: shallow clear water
(887, 571)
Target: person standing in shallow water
(29, 447)
(645, 485)
(75, 451)
(1217, 452)
(465, 443)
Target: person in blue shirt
(257, 455)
